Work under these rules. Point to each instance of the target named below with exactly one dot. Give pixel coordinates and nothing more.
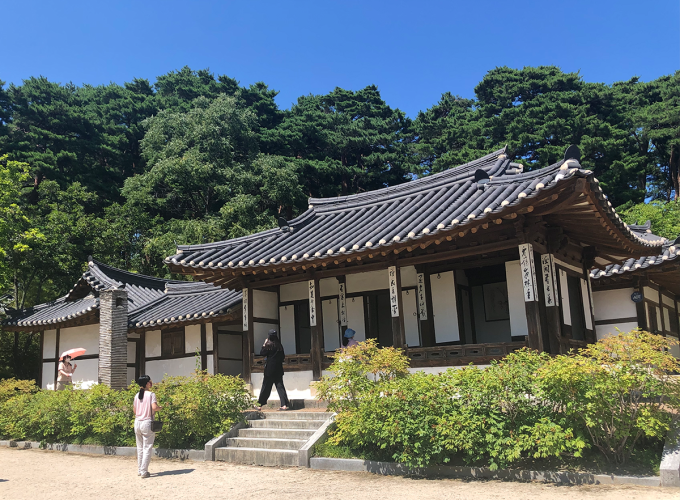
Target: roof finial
(572, 153)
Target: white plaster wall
(152, 344)
(87, 373)
(265, 304)
(260, 331)
(614, 304)
(364, 282)
(409, 276)
(86, 336)
(518, 314)
(355, 317)
(585, 297)
(331, 325)
(287, 328)
(668, 300)
(408, 300)
(564, 296)
(296, 383)
(48, 376)
(209, 361)
(130, 375)
(566, 265)
(666, 320)
(675, 350)
(209, 337)
(131, 352)
(294, 291)
(444, 308)
(49, 344)
(602, 331)
(329, 287)
(651, 294)
(230, 346)
(192, 338)
(659, 325)
(172, 367)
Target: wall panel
(355, 317)
(408, 300)
(444, 307)
(331, 325)
(49, 344)
(518, 314)
(192, 338)
(86, 336)
(287, 328)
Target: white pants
(145, 438)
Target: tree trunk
(673, 164)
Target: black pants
(267, 390)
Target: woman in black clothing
(273, 371)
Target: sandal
(258, 408)
(283, 408)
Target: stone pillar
(113, 327)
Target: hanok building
(133, 324)
(463, 266)
(643, 292)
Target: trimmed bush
(195, 409)
(526, 406)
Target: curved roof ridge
(98, 265)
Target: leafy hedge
(608, 396)
(195, 409)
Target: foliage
(664, 216)
(195, 409)
(349, 380)
(621, 389)
(527, 406)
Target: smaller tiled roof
(670, 251)
(186, 302)
(150, 301)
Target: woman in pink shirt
(145, 407)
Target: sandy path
(37, 474)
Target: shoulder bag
(157, 425)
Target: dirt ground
(38, 474)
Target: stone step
(257, 456)
(270, 423)
(297, 404)
(265, 443)
(276, 433)
(295, 415)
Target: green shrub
(12, 387)
(621, 389)
(489, 415)
(195, 409)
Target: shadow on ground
(173, 472)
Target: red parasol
(74, 353)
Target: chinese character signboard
(422, 304)
(549, 280)
(312, 303)
(343, 305)
(526, 261)
(245, 309)
(394, 301)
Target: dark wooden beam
(248, 340)
(204, 348)
(316, 352)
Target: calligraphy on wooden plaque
(394, 300)
(244, 298)
(422, 303)
(342, 299)
(312, 303)
(528, 268)
(549, 280)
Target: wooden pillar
(142, 354)
(316, 324)
(396, 307)
(42, 355)
(204, 348)
(528, 269)
(248, 334)
(215, 351)
(552, 303)
(638, 284)
(56, 357)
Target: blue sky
(413, 51)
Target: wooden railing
(293, 362)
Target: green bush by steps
(527, 406)
(195, 409)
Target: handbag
(157, 425)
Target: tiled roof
(150, 300)
(392, 216)
(670, 252)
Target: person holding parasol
(66, 369)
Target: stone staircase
(274, 439)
